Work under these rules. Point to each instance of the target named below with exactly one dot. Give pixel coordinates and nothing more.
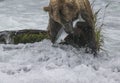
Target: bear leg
(53, 29)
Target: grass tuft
(91, 18)
(29, 38)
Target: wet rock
(22, 36)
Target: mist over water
(41, 63)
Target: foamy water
(42, 63)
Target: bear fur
(62, 14)
(82, 37)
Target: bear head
(64, 12)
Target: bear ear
(46, 9)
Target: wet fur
(61, 11)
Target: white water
(42, 63)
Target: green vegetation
(29, 38)
(98, 29)
(99, 38)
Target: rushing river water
(42, 63)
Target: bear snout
(68, 27)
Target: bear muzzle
(68, 27)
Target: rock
(22, 36)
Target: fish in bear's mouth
(66, 30)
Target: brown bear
(63, 13)
(82, 37)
